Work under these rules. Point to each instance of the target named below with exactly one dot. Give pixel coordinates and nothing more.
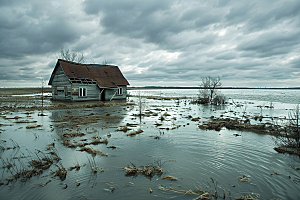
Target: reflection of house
(80, 82)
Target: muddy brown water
(190, 154)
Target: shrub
(219, 99)
(288, 135)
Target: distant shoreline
(36, 90)
(222, 88)
(162, 87)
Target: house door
(102, 95)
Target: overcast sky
(155, 42)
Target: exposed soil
(236, 124)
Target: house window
(55, 90)
(120, 91)
(82, 92)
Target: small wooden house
(72, 81)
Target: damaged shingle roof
(104, 75)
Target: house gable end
(58, 76)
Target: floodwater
(192, 155)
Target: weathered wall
(123, 96)
(59, 83)
(92, 92)
(111, 93)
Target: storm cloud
(155, 42)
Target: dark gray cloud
(155, 42)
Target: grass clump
(148, 171)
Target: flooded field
(109, 152)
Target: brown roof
(104, 75)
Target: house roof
(104, 75)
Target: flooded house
(72, 81)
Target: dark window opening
(82, 92)
(120, 91)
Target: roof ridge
(91, 64)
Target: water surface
(192, 155)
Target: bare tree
(71, 56)
(209, 87)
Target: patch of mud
(235, 124)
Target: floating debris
(123, 128)
(203, 194)
(171, 178)
(243, 178)
(196, 119)
(61, 173)
(44, 184)
(112, 188)
(249, 197)
(92, 151)
(157, 124)
(135, 132)
(25, 121)
(276, 173)
(97, 141)
(33, 126)
(166, 114)
(68, 135)
(155, 137)
(51, 146)
(147, 171)
(77, 167)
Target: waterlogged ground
(216, 162)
